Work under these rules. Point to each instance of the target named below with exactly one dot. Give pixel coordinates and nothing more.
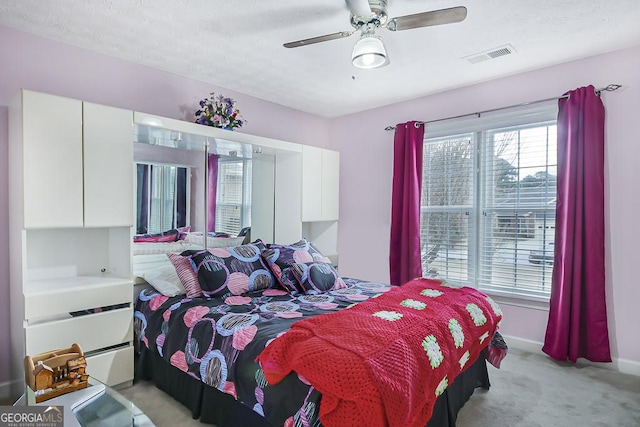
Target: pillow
(187, 274)
(165, 280)
(281, 257)
(317, 277)
(232, 270)
(150, 248)
(213, 241)
(166, 236)
(218, 234)
(183, 231)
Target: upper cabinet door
(108, 166)
(320, 182)
(330, 184)
(311, 183)
(52, 161)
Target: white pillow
(165, 280)
(213, 242)
(140, 248)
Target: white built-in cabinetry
(71, 215)
(320, 195)
(108, 166)
(330, 185)
(320, 180)
(51, 146)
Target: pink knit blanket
(386, 360)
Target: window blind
(158, 204)
(447, 207)
(517, 227)
(488, 202)
(163, 200)
(233, 207)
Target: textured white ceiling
(237, 44)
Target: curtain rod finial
(608, 88)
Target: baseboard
(523, 344)
(630, 367)
(623, 366)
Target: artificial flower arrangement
(219, 111)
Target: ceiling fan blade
(427, 19)
(318, 39)
(359, 7)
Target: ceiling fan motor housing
(377, 17)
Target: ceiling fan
(369, 15)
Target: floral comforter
(217, 341)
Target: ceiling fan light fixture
(369, 52)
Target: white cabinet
(320, 182)
(71, 216)
(330, 185)
(320, 194)
(311, 183)
(108, 169)
(52, 159)
(77, 162)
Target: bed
(203, 350)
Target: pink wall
(366, 171)
(31, 62)
(39, 64)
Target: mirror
(162, 192)
(171, 175)
(231, 211)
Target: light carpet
(529, 390)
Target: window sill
(534, 303)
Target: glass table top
(96, 405)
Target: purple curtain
(212, 185)
(142, 199)
(181, 197)
(577, 324)
(404, 254)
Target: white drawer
(75, 294)
(91, 332)
(113, 367)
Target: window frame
(245, 203)
(161, 202)
(523, 117)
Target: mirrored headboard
(209, 184)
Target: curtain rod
(608, 88)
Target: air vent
(490, 54)
(500, 52)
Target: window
(162, 196)
(488, 201)
(233, 195)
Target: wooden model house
(43, 376)
(56, 372)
